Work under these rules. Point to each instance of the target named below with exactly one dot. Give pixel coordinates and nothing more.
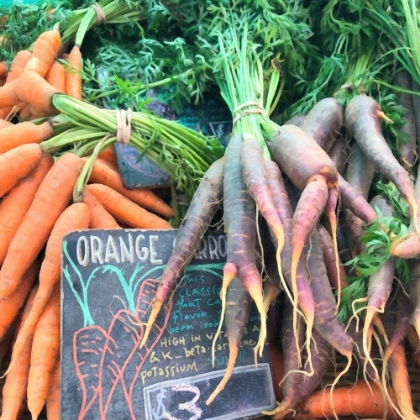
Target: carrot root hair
(233, 355)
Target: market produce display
(317, 190)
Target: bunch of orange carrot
(43, 197)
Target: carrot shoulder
(17, 201)
(103, 173)
(24, 133)
(126, 210)
(16, 164)
(52, 197)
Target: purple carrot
(203, 206)
(240, 225)
(363, 121)
(324, 121)
(339, 152)
(407, 147)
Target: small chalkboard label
(108, 282)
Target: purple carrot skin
(380, 283)
(317, 178)
(253, 168)
(296, 120)
(200, 213)
(407, 147)
(325, 305)
(337, 282)
(238, 309)
(359, 175)
(409, 246)
(355, 202)
(324, 121)
(416, 104)
(291, 355)
(239, 219)
(363, 121)
(284, 208)
(414, 289)
(339, 153)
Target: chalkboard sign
(108, 283)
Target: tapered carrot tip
(256, 295)
(233, 355)
(157, 305)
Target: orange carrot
(32, 89)
(126, 210)
(44, 52)
(52, 197)
(14, 390)
(361, 400)
(5, 123)
(103, 173)
(109, 155)
(10, 307)
(99, 217)
(16, 69)
(74, 73)
(53, 397)
(44, 354)
(24, 133)
(17, 201)
(18, 64)
(56, 76)
(16, 164)
(74, 217)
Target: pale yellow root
(233, 354)
(227, 280)
(156, 307)
(336, 380)
(367, 336)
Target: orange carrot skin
(103, 173)
(356, 400)
(75, 217)
(14, 389)
(16, 164)
(73, 81)
(52, 197)
(44, 354)
(24, 133)
(56, 76)
(18, 64)
(126, 210)
(323, 122)
(17, 201)
(44, 52)
(10, 307)
(32, 89)
(4, 124)
(109, 155)
(99, 217)
(54, 394)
